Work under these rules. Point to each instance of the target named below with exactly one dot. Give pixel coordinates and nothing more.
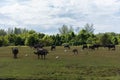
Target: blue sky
(48, 15)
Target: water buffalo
(40, 45)
(96, 46)
(15, 51)
(110, 46)
(53, 47)
(92, 47)
(75, 51)
(84, 46)
(67, 46)
(41, 52)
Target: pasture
(60, 64)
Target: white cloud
(49, 14)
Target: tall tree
(105, 39)
(89, 28)
(17, 31)
(65, 30)
(10, 31)
(47, 40)
(32, 39)
(2, 32)
(83, 36)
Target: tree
(10, 31)
(105, 39)
(89, 28)
(47, 40)
(32, 39)
(19, 41)
(115, 41)
(11, 38)
(2, 32)
(57, 40)
(65, 30)
(92, 39)
(83, 36)
(17, 31)
(3, 41)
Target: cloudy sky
(48, 15)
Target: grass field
(100, 64)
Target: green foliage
(11, 38)
(105, 39)
(115, 40)
(57, 40)
(1, 41)
(19, 41)
(19, 36)
(31, 32)
(32, 39)
(83, 36)
(4, 41)
(2, 32)
(47, 40)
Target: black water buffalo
(40, 45)
(67, 46)
(41, 52)
(92, 47)
(96, 46)
(84, 46)
(75, 51)
(53, 47)
(15, 51)
(110, 46)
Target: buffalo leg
(15, 55)
(38, 56)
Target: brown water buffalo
(75, 51)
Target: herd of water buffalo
(41, 52)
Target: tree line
(66, 35)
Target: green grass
(87, 65)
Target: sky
(47, 16)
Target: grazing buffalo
(75, 51)
(110, 46)
(38, 46)
(15, 51)
(53, 47)
(96, 46)
(92, 47)
(41, 52)
(84, 46)
(67, 46)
